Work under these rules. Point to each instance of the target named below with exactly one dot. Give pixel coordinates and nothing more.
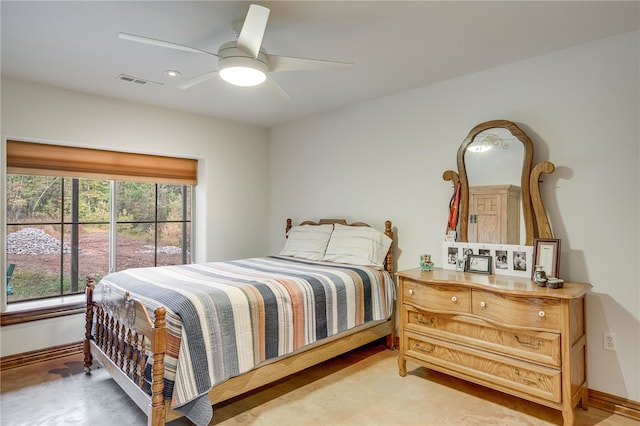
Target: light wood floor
(359, 388)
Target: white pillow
(307, 241)
(357, 245)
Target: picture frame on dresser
(546, 253)
(478, 263)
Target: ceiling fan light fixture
(243, 76)
(242, 71)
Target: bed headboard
(388, 231)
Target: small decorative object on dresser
(503, 332)
(539, 276)
(553, 282)
(425, 262)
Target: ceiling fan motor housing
(231, 50)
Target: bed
(179, 339)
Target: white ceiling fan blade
(162, 43)
(275, 86)
(250, 38)
(286, 63)
(197, 80)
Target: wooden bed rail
(125, 335)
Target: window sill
(18, 313)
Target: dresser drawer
(542, 347)
(534, 312)
(438, 297)
(486, 368)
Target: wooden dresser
(499, 331)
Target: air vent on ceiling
(136, 80)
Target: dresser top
(502, 283)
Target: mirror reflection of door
(494, 214)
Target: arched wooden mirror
(499, 195)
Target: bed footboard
(120, 333)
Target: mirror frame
(535, 216)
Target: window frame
(70, 161)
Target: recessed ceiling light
(172, 73)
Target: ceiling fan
(244, 62)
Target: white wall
(231, 195)
(384, 160)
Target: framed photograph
(479, 263)
(449, 255)
(546, 253)
(460, 264)
(452, 255)
(519, 261)
(502, 259)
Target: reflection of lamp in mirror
(487, 142)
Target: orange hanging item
(453, 209)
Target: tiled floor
(360, 388)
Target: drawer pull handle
(454, 299)
(541, 314)
(426, 349)
(411, 292)
(483, 304)
(424, 321)
(528, 379)
(529, 345)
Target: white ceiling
(395, 46)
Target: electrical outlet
(609, 341)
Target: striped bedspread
(225, 318)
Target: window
(64, 223)
(59, 231)
(153, 224)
